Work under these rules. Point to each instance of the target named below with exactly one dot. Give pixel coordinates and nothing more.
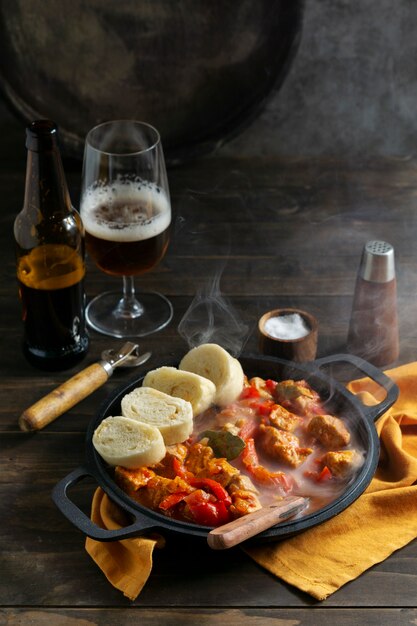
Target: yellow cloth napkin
(126, 563)
(384, 519)
(322, 559)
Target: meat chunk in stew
(198, 458)
(281, 418)
(244, 502)
(283, 446)
(159, 488)
(260, 385)
(341, 463)
(330, 431)
(174, 453)
(202, 463)
(241, 481)
(297, 396)
(130, 480)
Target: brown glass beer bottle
(49, 239)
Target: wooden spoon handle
(252, 524)
(63, 398)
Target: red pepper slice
(265, 408)
(208, 504)
(270, 385)
(222, 513)
(259, 472)
(249, 392)
(325, 474)
(204, 511)
(322, 476)
(180, 470)
(248, 429)
(213, 487)
(249, 455)
(171, 500)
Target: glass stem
(129, 307)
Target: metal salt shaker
(373, 329)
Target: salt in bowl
(289, 334)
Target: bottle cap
(41, 135)
(377, 263)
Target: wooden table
(277, 232)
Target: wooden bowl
(299, 349)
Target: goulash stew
(275, 440)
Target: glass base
(106, 314)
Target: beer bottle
(49, 240)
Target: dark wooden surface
(279, 233)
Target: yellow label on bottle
(51, 266)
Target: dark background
(351, 90)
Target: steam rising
(210, 318)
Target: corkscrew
(67, 395)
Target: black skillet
(338, 400)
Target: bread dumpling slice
(172, 416)
(215, 363)
(132, 444)
(192, 387)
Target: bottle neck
(46, 189)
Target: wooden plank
(152, 617)
(38, 538)
(16, 394)
(280, 232)
(220, 617)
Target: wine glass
(126, 211)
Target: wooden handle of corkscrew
(243, 528)
(48, 408)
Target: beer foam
(127, 210)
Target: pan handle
(372, 412)
(83, 522)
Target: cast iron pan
(337, 399)
(198, 70)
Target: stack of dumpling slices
(160, 413)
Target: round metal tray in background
(199, 71)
